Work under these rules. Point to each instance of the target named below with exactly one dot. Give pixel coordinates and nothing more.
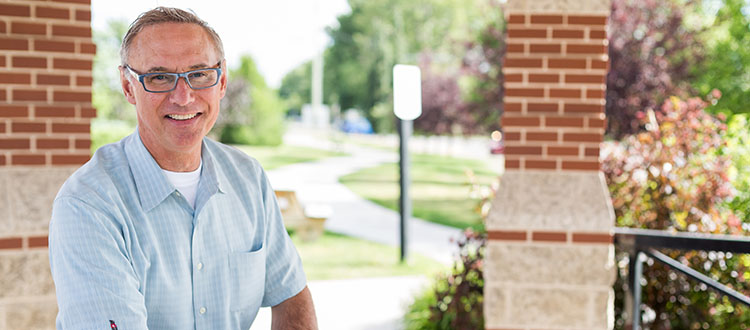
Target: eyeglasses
(163, 82)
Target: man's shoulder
(96, 177)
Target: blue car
(356, 124)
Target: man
(167, 229)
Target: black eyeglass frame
(178, 75)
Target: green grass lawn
(274, 157)
(336, 256)
(440, 189)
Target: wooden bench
(307, 222)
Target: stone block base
(532, 307)
(550, 258)
(33, 313)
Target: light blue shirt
(126, 246)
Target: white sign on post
(407, 91)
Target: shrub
(264, 123)
(456, 299)
(738, 140)
(675, 176)
(418, 315)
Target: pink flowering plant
(672, 175)
(675, 175)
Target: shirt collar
(211, 181)
(151, 183)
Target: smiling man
(167, 229)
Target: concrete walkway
(316, 183)
(358, 304)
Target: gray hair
(166, 15)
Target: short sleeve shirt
(126, 246)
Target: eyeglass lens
(166, 81)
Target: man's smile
(183, 116)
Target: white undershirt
(186, 182)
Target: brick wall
(550, 254)
(555, 70)
(46, 56)
(45, 82)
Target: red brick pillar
(550, 254)
(46, 56)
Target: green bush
(456, 299)
(250, 135)
(418, 315)
(675, 176)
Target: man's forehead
(171, 46)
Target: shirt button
(177, 193)
(202, 310)
(200, 265)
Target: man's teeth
(182, 117)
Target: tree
(234, 105)
(651, 51)
(252, 113)
(482, 64)
(728, 46)
(107, 95)
(296, 88)
(378, 34)
(444, 109)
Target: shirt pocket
(248, 273)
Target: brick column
(549, 261)
(46, 56)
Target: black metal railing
(642, 243)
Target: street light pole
(407, 105)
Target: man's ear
(223, 80)
(127, 86)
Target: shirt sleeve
(285, 277)
(94, 279)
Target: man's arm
(295, 313)
(94, 280)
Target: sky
(279, 34)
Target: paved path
(317, 183)
(358, 304)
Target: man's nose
(182, 94)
